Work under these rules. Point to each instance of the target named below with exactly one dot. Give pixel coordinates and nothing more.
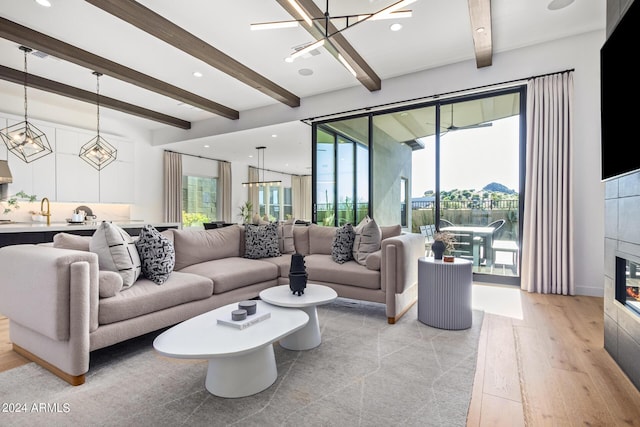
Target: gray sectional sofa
(52, 295)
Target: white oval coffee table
(241, 361)
(309, 336)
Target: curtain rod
(200, 157)
(508, 83)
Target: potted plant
(246, 210)
(13, 201)
(443, 241)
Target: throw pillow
(116, 252)
(261, 241)
(285, 237)
(109, 283)
(368, 238)
(71, 241)
(342, 247)
(157, 255)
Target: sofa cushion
(116, 252)
(235, 272)
(157, 255)
(195, 246)
(322, 268)
(368, 238)
(147, 297)
(285, 237)
(390, 231)
(283, 262)
(109, 283)
(342, 246)
(321, 239)
(71, 241)
(261, 241)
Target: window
(341, 193)
(274, 201)
(198, 200)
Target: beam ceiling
(41, 83)
(480, 13)
(338, 44)
(147, 20)
(25, 36)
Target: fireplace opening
(628, 284)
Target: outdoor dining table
(479, 235)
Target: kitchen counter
(15, 233)
(27, 227)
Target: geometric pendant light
(24, 139)
(98, 152)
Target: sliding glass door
(341, 190)
(455, 164)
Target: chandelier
(261, 182)
(332, 25)
(24, 139)
(98, 152)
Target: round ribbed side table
(444, 293)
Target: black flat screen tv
(619, 89)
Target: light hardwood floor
(541, 361)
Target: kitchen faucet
(48, 214)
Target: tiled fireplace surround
(622, 238)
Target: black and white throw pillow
(116, 252)
(342, 246)
(157, 255)
(261, 241)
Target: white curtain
(172, 187)
(224, 191)
(547, 253)
(301, 197)
(254, 189)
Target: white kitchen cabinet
(116, 183)
(77, 181)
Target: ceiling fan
(452, 127)
(326, 24)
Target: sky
(470, 159)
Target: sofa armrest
(399, 266)
(40, 285)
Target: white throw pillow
(367, 241)
(117, 252)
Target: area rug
(365, 373)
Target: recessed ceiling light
(206, 146)
(197, 74)
(559, 4)
(45, 3)
(288, 59)
(395, 27)
(274, 136)
(305, 71)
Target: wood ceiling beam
(41, 83)
(480, 14)
(147, 20)
(338, 44)
(25, 36)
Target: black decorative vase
(438, 248)
(297, 275)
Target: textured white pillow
(368, 238)
(116, 252)
(285, 237)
